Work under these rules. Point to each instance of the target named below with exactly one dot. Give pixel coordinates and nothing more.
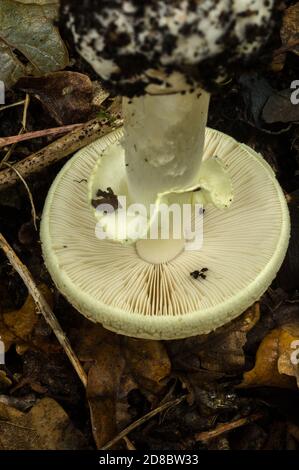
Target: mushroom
(165, 58)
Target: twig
(33, 211)
(43, 306)
(226, 427)
(4, 141)
(129, 444)
(13, 105)
(15, 425)
(10, 150)
(142, 420)
(25, 111)
(58, 150)
(21, 131)
(288, 47)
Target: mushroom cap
(243, 249)
(135, 45)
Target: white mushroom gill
(109, 282)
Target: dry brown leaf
(87, 337)
(35, 37)
(67, 96)
(218, 353)
(108, 380)
(16, 327)
(148, 362)
(5, 381)
(289, 36)
(45, 427)
(118, 365)
(279, 108)
(287, 361)
(102, 391)
(290, 28)
(273, 366)
(278, 62)
(99, 94)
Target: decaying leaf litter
(233, 389)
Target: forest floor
(235, 388)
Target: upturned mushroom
(165, 58)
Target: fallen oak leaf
(16, 327)
(218, 353)
(45, 427)
(103, 390)
(288, 360)
(109, 381)
(22, 403)
(50, 7)
(26, 27)
(289, 34)
(88, 338)
(273, 366)
(67, 96)
(5, 381)
(50, 373)
(118, 365)
(99, 95)
(279, 108)
(201, 361)
(148, 362)
(11, 67)
(290, 28)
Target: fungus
(165, 58)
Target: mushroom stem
(164, 141)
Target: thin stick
(15, 425)
(58, 150)
(226, 427)
(129, 444)
(142, 420)
(10, 150)
(4, 141)
(13, 105)
(22, 130)
(33, 211)
(43, 306)
(286, 48)
(25, 111)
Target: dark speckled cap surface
(135, 45)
